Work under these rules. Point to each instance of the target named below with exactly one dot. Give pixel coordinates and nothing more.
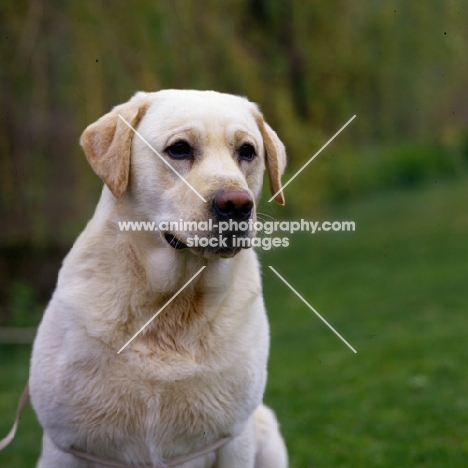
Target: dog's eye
(247, 152)
(180, 150)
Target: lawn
(396, 289)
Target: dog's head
(194, 168)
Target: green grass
(396, 290)
(14, 369)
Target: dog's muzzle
(231, 210)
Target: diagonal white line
(312, 158)
(161, 309)
(312, 309)
(162, 159)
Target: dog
(188, 390)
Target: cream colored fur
(198, 372)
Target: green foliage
(412, 165)
(392, 167)
(310, 65)
(24, 309)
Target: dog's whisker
(267, 215)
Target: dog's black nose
(233, 204)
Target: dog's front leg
(240, 452)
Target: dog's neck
(149, 273)
(146, 252)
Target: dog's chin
(206, 252)
(224, 252)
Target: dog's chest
(169, 414)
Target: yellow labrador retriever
(187, 391)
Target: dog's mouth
(225, 248)
(174, 242)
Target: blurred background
(396, 288)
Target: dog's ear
(275, 154)
(107, 144)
